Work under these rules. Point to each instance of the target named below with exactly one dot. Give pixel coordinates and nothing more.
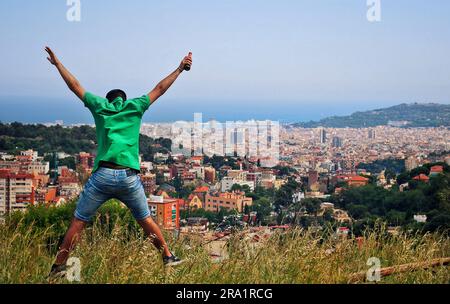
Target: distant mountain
(403, 115)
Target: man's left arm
(167, 82)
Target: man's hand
(52, 57)
(186, 60)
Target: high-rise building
(149, 183)
(313, 178)
(337, 142)
(16, 191)
(255, 177)
(323, 136)
(411, 163)
(210, 175)
(371, 134)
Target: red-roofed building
(353, 180)
(201, 189)
(45, 195)
(194, 202)
(165, 211)
(422, 178)
(342, 232)
(66, 172)
(50, 196)
(357, 181)
(24, 158)
(69, 185)
(201, 193)
(197, 159)
(435, 170)
(188, 177)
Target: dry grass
(291, 257)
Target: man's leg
(153, 232)
(132, 194)
(71, 238)
(89, 201)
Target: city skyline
(297, 61)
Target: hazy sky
(267, 55)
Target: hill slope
(16, 136)
(111, 253)
(405, 115)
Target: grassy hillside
(416, 115)
(114, 254)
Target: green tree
(236, 187)
(396, 218)
(328, 215)
(312, 205)
(439, 223)
(246, 209)
(284, 196)
(262, 207)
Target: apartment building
(165, 211)
(149, 182)
(210, 175)
(16, 191)
(227, 200)
(85, 160)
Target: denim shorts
(105, 184)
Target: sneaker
(172, 260)
(58, 271)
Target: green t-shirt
(118, 125)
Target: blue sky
(286, 60)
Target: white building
(161, 157)
(147, 165)
(6, 156)
(199, 171)
(228, 182)
(237, 174)
(30, 153)
(39, 167)
(420, 218)
(70, 190)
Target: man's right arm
(73, 84)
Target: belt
(110, 165)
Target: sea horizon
(41, 110)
